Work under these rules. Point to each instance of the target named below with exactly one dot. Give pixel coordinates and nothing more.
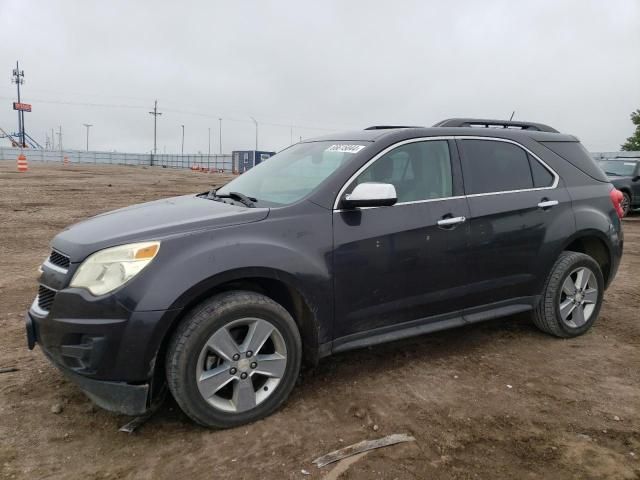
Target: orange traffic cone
(65, 161)
(23, 166)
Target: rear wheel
(572, 296)
(234, 359)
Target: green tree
(633, 142)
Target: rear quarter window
(541, 176)
(577, 155)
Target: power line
(184, 112)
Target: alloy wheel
(241, 365)
(625, 204)
(579, 297)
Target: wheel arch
(275, 284)
(594, 244)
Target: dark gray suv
(624, 174)
(332, 244)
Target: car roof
(402, 133)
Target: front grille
(59, 259)
(45, 297)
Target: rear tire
(234, 359)
(572, 296)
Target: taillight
(616, 198)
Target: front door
(397, 264)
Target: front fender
(295, 249)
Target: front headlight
(110, 268)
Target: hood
(151, 221)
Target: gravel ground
(497, 400)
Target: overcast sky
(330, 65)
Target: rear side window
(491, 166)
(577, 155)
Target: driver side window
(418, 171)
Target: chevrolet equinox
(333, 244)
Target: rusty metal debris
(360, 447)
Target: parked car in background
(624, 174)
(333, 244)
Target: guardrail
(216, 162)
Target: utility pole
(220, 135)
(18, 79)
(155, 114)
(53, 141)
(60, 137)
(88, 125)
(182, 147)
(256, 122)
(209, 141)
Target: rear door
(519, 214)
(397, 264)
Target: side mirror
(371, 194)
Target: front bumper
(107, 350)
(120, 397)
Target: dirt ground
(492, 401)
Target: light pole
(220, 135)
(182, 148)
(256, 123)
(88, 126)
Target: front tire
(234, 359)
(572, 296)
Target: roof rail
(479, 122)
(386, 127)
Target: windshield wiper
(237, 196)
(611, 174)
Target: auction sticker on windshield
(345, 148)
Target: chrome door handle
(548, 203)
(447, 222)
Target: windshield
(293, 173)
(619, 168)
